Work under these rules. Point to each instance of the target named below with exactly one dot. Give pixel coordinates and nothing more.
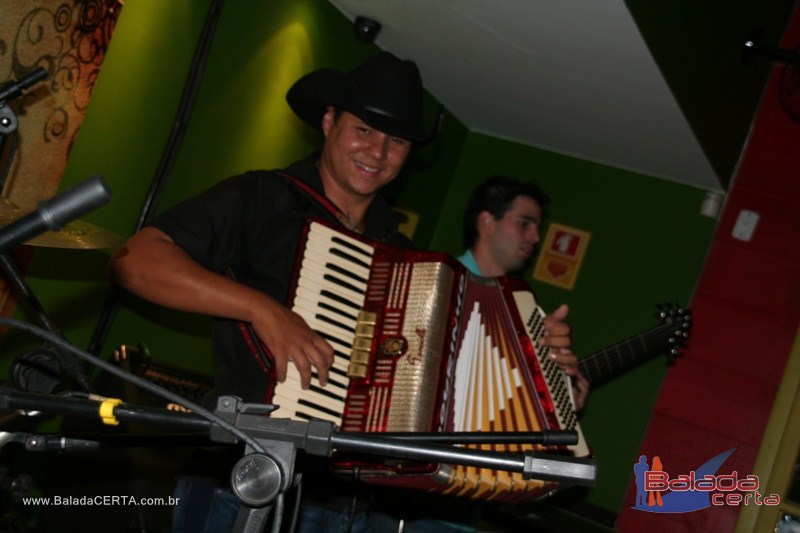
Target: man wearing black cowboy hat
(249, 225)
(229, 252)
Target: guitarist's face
(511, 239)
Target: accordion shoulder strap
(314, 195)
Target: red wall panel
(746, 309)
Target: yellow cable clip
(107, 411)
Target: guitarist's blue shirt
(468, 260)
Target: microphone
(55, 213)
(13, 89)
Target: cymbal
(77, 234)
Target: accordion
(423, 345)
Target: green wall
(648, 240)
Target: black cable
(298, 497)
(277, 513)
(36, 370)
(136, 380)
(353, 501)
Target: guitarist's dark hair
(495, 195)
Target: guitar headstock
(677, 322)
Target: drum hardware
(59, 216)
(51, 214)
(52, 223)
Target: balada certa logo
(659, 492)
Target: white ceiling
(570, 76)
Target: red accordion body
(422, 345)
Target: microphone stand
(18, 280)
(266, 471)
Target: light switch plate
(745, 225)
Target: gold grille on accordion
(422, 345)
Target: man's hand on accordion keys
(290, 339)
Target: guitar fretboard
(624, 355)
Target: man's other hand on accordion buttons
(557, 337)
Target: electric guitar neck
(667, 337)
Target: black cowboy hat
(384, 91)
